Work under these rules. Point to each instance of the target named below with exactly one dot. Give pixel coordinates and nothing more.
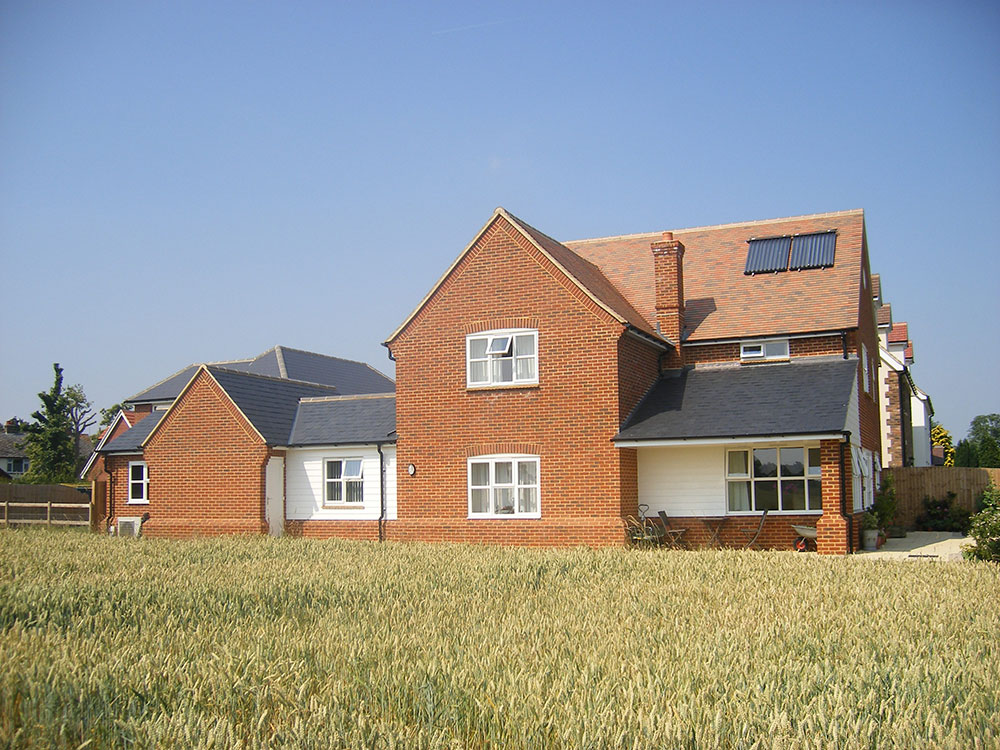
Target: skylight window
(777, 254)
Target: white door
(274, 490)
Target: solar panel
(813, 250)
(768, 255)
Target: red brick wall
(317, 529)
(206, 469)
(568, 419)
(730, 351)
(837, 536)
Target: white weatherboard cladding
(921, 420)
(304, 484)
(683, 480)
(853, 421)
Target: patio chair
(753, 535)
(640, 532)
(671, 537)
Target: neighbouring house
(13, 460)
(544, 390)
(221, 449)
(905, 409)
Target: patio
(940, 546)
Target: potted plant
(869, 531)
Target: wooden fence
(51, 504)
(913, 484)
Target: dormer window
(502, 358)
(771, 349)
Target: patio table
(714, 525)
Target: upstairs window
(344, 481)
(501, 358)
(138, 483)
(772, 349)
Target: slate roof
(269, 403)
(8, 445)
(795, 398)
(348, 376)
(342, 420)
(721, 301)
(130, 441)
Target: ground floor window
(774, 479)
(344, 480)
(503, 486)
(138, 482)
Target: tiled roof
(883, 315)
(805, 397)
(269, 403)
(343, 420)
(348, 376)
(899, 333)
(876, 286)
(723, 302)
(131, 440)
(8, 445)
(590, 276)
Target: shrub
(884, 506)
(985, 527)
(941, 515)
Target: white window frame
(501, 344)
(144, 483)
(515, 486)
(343, 482)
(764, 350)
(810, 472)
(24, 464)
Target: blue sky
(191, 181)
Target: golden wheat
(259, 642)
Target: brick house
(246, 447)
(546, 389)
(905, 409)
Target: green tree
(941, 436)
(966, 454)
(984, 439)
(108, 414)
(81, 416)
(49, 439)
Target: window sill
(346, 506)
(772, 513)
(137, 502)
(504, 516)
(501, 386)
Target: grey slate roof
(344, 420)
(8, 445)
(269, 403)
(796, 398)
(130, 441)
(348, 376)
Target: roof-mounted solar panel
(768, 255)
(813, 250)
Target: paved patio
(921, 545)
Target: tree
(984, 440)
(940, 436)
(49, 440)
(109, 414)
(81, 416)
(966, 454)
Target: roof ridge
(271, 377)
(164, 380)
(346, 397)
(755, 222)
(324, 356)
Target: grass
(259, 642)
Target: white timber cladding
(305, 484)
(687, 481)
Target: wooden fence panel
(52, 504)
(913, 484)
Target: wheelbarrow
(806, 538)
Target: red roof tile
(721, 301)
(899, 333)
(883, 316)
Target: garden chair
(753, 535)
(672, 537)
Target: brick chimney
(668, 267)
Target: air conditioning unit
(129, 526)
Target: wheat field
(260, 642)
